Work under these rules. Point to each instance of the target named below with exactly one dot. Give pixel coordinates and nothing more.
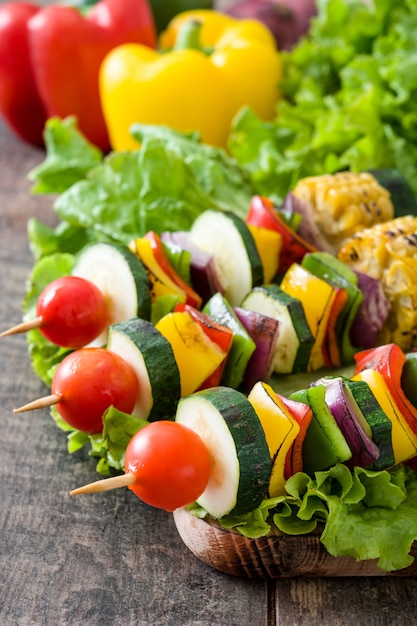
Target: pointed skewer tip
(115, 482)
(40, 403)
(24, 327)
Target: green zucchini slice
(151, 356)
(379, 423)
(243, 346)
(295, 340)
(228, 238)
(229, 426)
(119, 274)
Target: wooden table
(108, 559)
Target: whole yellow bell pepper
(208, 67)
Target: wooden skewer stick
(23, 327)
(115, 482)
(40, 403)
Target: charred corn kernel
(388, 252)
(344, 203)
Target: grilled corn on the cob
(344, 203)
(388, 252)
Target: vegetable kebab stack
(174, 371)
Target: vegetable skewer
(313, 404)
(251, 440)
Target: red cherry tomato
(89, 381)
(72, 312)
(170, 463)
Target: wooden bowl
(275, 556)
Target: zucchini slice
(121, 277)
(295, 340)
(228, 238)
(243, 346)
(152, 358)
(241, 465)
(404, 440)
(379, 423)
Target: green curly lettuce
(349, 100)
(360, 513)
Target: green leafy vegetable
(349, 100)
(361, 513)
(69, 157)
(111, 444)
(123, 195)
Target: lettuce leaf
(360, 513)
(69, 157)
(45, 241)
(110, 445)
(123, 195)
(349, 91)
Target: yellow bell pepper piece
(161, 283)
(317, 298)
(197, 356)
(268, 243)
(280, 430)
(404, 441)
(191, 89)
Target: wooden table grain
(108, 559)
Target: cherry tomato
(170, 463)
(72, 312)
(89, 381)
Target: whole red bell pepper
(50, 59)
(20, 104)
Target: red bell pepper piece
(20, 104)
(294, 248)
(303, 415)
(161, 258)
(389, 361)
(331, 349)
(60, 51)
